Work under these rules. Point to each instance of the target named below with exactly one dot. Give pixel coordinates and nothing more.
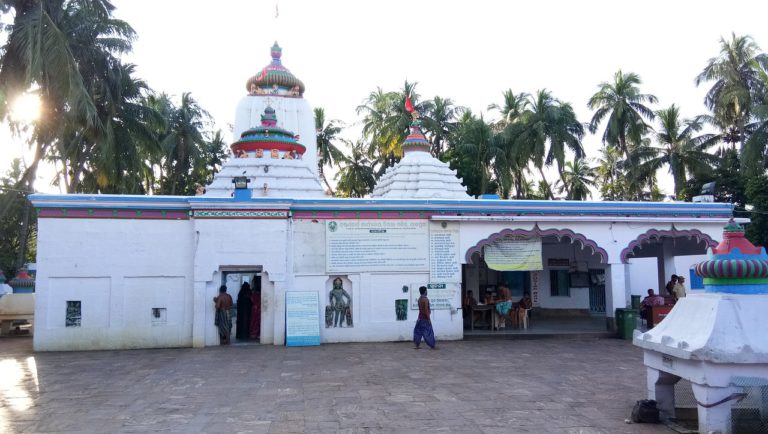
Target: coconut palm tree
(610, 178)
(578, 178)
(679, 148)
(737, 80)
(327, 152)
(545, 131)
(513, 106)
(356, 176)
(624, 105)
(440, 123)
(478, 151)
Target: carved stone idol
(340, 303)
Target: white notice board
(302, 318)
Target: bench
(15, 307)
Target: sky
(467, 51)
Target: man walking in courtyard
(423, 328)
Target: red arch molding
(655, 234)
(537, 232)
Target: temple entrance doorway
(245, 288)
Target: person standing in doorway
(423, 328)
(223, 321)
(244, 306)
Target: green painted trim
(734, 281)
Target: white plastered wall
(119, 270)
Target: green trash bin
(630, 321)
(619, 321)
(635, 302)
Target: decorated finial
(276, 52)
(735, 266)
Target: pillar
(199, 307)
(661, 388)
(715, 419)
(667, 263)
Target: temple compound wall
(141, 272)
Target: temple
(120, 271)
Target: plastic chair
(524, 318)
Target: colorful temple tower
(717, 339)
(272, 160)
(276, 87)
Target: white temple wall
(119, 271)
(241, 244)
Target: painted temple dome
(275, 79)
(735, 265)
(268, 137)
(419, 175)
(270, 158)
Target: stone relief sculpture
(401, 309)
(340, 310)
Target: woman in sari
(244, 312)
(223, 321)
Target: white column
(661, 388)
(616, 279)
(717, 418)
(199, 307)
(278, 308)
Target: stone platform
(502, 386)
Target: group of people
(248, 314)
(504, 307)
(675, 289)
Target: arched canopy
(697, 239)
(537, 232)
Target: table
(483, 308)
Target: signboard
(508, 254)
(441, 295)
(354, 246)
(444, 259)
(535, 288)
(302, 318)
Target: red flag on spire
(408, 104)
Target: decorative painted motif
(141, 214)
(270, 137)
(239, 214)
(655, 234)
(539, 233)
(735, 265)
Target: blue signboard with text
(302, 318)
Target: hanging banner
(444, 259)
(509, 254)
(355, 246)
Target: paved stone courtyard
(506, 386)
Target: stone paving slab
(541, 386)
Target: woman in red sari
(256, 313)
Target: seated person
(467, 302)
(469, 299)
(503, 306)
(523, 306)
(648, 302)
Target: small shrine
(419, 175)
(717, 339)
(23, 282)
